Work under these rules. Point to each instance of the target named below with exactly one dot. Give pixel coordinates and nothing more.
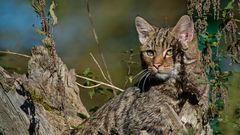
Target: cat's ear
(144, 29)
(184, 29)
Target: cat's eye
(150, 53)
(169, 52)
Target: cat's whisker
(142, 78)
(141, 72)
(143, 86)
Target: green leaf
(130, 78)
(87, 72)
(52, 13)
(214, 44)
(235, 59)
(229, 5)
(214, 125)
(37, 7)
(87, 83)
(39, 31)
(99, 90)
(91, 93)
(224, 14)
(81, 115)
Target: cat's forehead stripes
(160, 41)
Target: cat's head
(158, 46)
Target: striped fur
(169, 108)
(162, 49)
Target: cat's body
(171, 98)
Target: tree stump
(45, 101)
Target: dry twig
(104, 76)
(99, 47)
(82, 77)
(99, 82)
(14, 53)
(88, 87)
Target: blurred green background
(114, 23)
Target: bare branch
(99, 47)
(104, 76)
(14, 53)
(88, 87)
(99, 82)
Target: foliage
(218, 39)
(48, 21)
(52, 13)
(230, 117)
(130, 64)
(95, 90)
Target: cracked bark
(45, 101)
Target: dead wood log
(45, 101)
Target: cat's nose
(156, 65)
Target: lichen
(40, 100)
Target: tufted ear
(184, 29)
(144, 29)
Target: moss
(39, 99)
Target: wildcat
(161, 47)
(169, 99)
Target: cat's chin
(162, 76)
(165, 76)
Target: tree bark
(45, 101)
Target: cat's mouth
(165, 75)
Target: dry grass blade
(99, 47)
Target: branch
(82, 77)
(99, 47)
(14, 53)
(88, 87)
(99, 82)
(104, 76)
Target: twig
(14, 53)
(104, 76)
(99, 47)
(88, 87)
(99, 82)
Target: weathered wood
(14, 120)
(45, 101)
